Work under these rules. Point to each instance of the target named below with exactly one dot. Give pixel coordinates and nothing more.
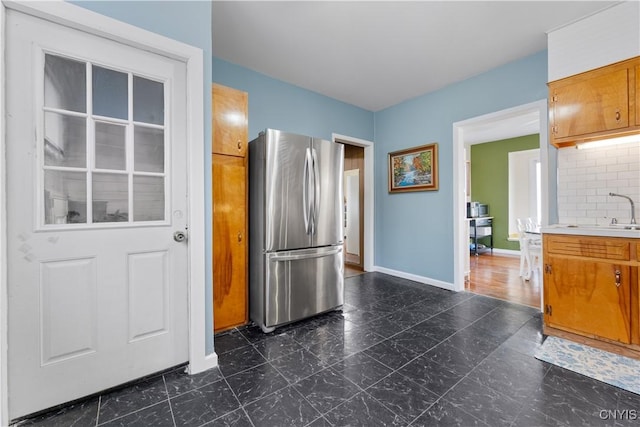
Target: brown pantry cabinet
(591, 289)
(229, 181)
(230, 118)
(596, 104)
(637, 100)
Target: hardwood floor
(352, 258)
(351, 271)
(495, 276)
(498, 276)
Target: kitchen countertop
(617, 230)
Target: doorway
(362, 149)
(522, 120)
(504, 178)
(353, 203)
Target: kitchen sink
(625, 226)
(611, 230)
(610, 226)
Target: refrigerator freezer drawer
(302, 283)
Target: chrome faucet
(633, 209)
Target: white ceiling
(377, 54)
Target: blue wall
(414, 231)
(190, 23)
(278, 105)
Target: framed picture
(414, 169)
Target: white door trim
(368, 194)
(92, 23)
(460, 229)
(4, 400)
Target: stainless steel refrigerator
(296, 261)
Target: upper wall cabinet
(597, 104)
(638, 94)
(230, 131)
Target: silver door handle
(316, 191)
(179, 236)
(306, 202)
(279, 258)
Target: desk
(480, 228)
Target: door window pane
(121, 154)
(65, 84)
(110, 146)
(148, 101)
(148, 198)
(148, 149)
(65, 197)
(110, 198)
(65, 140)
(110, 93)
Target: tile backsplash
(586, 177)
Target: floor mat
(601, 365)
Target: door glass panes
(103, 149)
(65, 84)
(148, 198)
(65, 197)
(110, 197)
(65, 140)
(110, 142)
(110, 93)
(148, 101)
(148, 149)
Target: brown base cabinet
(591, 290)
(229, 181)
(583, 297)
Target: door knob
(179, 236)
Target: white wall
(585, 178)
(521, 183)
(352, 227)
(610, 36)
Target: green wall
(490, 181)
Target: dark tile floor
(400, 353)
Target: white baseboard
(415, 278)
(506, 252)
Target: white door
(96, 189)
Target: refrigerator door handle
(306, 202)
(287, 257)
(316, 190)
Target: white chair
(530, 248)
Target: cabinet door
(230, 112)
(588, 297)
(637, 103)
(229, 242)
(596, 104)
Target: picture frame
(414, 169)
